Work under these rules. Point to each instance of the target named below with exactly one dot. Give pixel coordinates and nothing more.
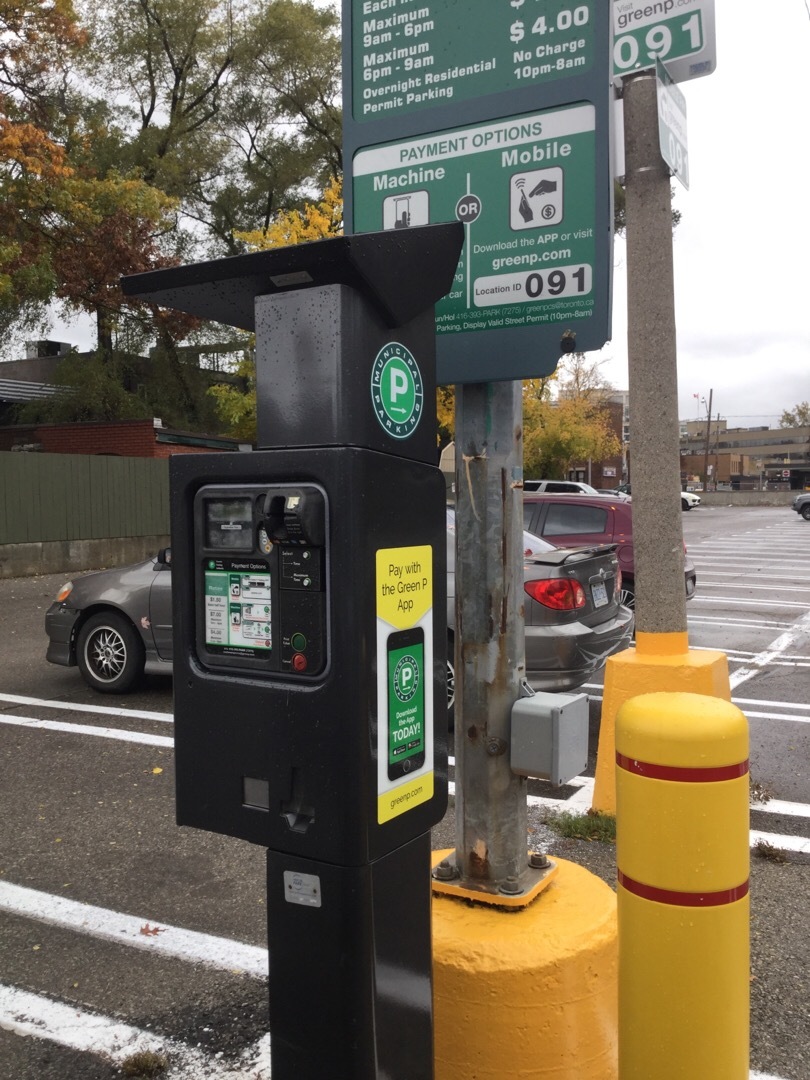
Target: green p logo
(396, 390)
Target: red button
(299, 662)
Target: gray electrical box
(550, 736)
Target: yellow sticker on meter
(404, 585)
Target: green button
(299, 642)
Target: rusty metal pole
(490, 649)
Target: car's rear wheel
(627, 596)
(806, 512)
(451, 682)
(109, 653)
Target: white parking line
(746, 602)
(775, 651)
(73, 706)
(748, 585)
(85, 729)
(134, 931)
(78, 1029)
(758, 624)
(34, 1015)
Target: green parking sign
(525, 189)
(498, 116)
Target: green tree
(558, 435)
(564, 422)
(232, 108)
(798, 416)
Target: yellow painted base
(529, 994)
(646, 670)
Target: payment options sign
(525, 189)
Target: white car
(688, 498)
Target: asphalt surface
(88, 817)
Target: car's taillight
(617, 588)
(558, 593)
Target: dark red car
(570, 520)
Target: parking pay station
(309, 585)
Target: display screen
(406, 701)
(229, 524)
(238, 607)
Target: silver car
(116, 625)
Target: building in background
(744, 459)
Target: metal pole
(708, 440)
(657, 529)
(490, 648)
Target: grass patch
(763, 850)
(144, 1064)
(590, 826)
(759, 793)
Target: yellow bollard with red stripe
(682, 798)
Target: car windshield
(532, 545)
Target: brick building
(119, 438)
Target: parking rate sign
(495, 113)
(409, 55)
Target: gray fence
(59, 511)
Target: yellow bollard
(683, 863)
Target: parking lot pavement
(120, 932)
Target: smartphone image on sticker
(406, 702)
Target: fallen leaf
(157, 771)
(150, 931)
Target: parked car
(688, 498)
(572, 487)
(593, 519)
(115, 625)
(574, 618)
(801, 504)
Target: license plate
(599, 594)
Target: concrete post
(490, 651)
(654, 437)
(662, 660)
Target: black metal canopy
(401, 272)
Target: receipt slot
(309, 591)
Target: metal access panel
(550, 736)
(310, 649)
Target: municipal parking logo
(397, 392)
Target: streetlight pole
(708, 438)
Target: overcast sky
(742, 250)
